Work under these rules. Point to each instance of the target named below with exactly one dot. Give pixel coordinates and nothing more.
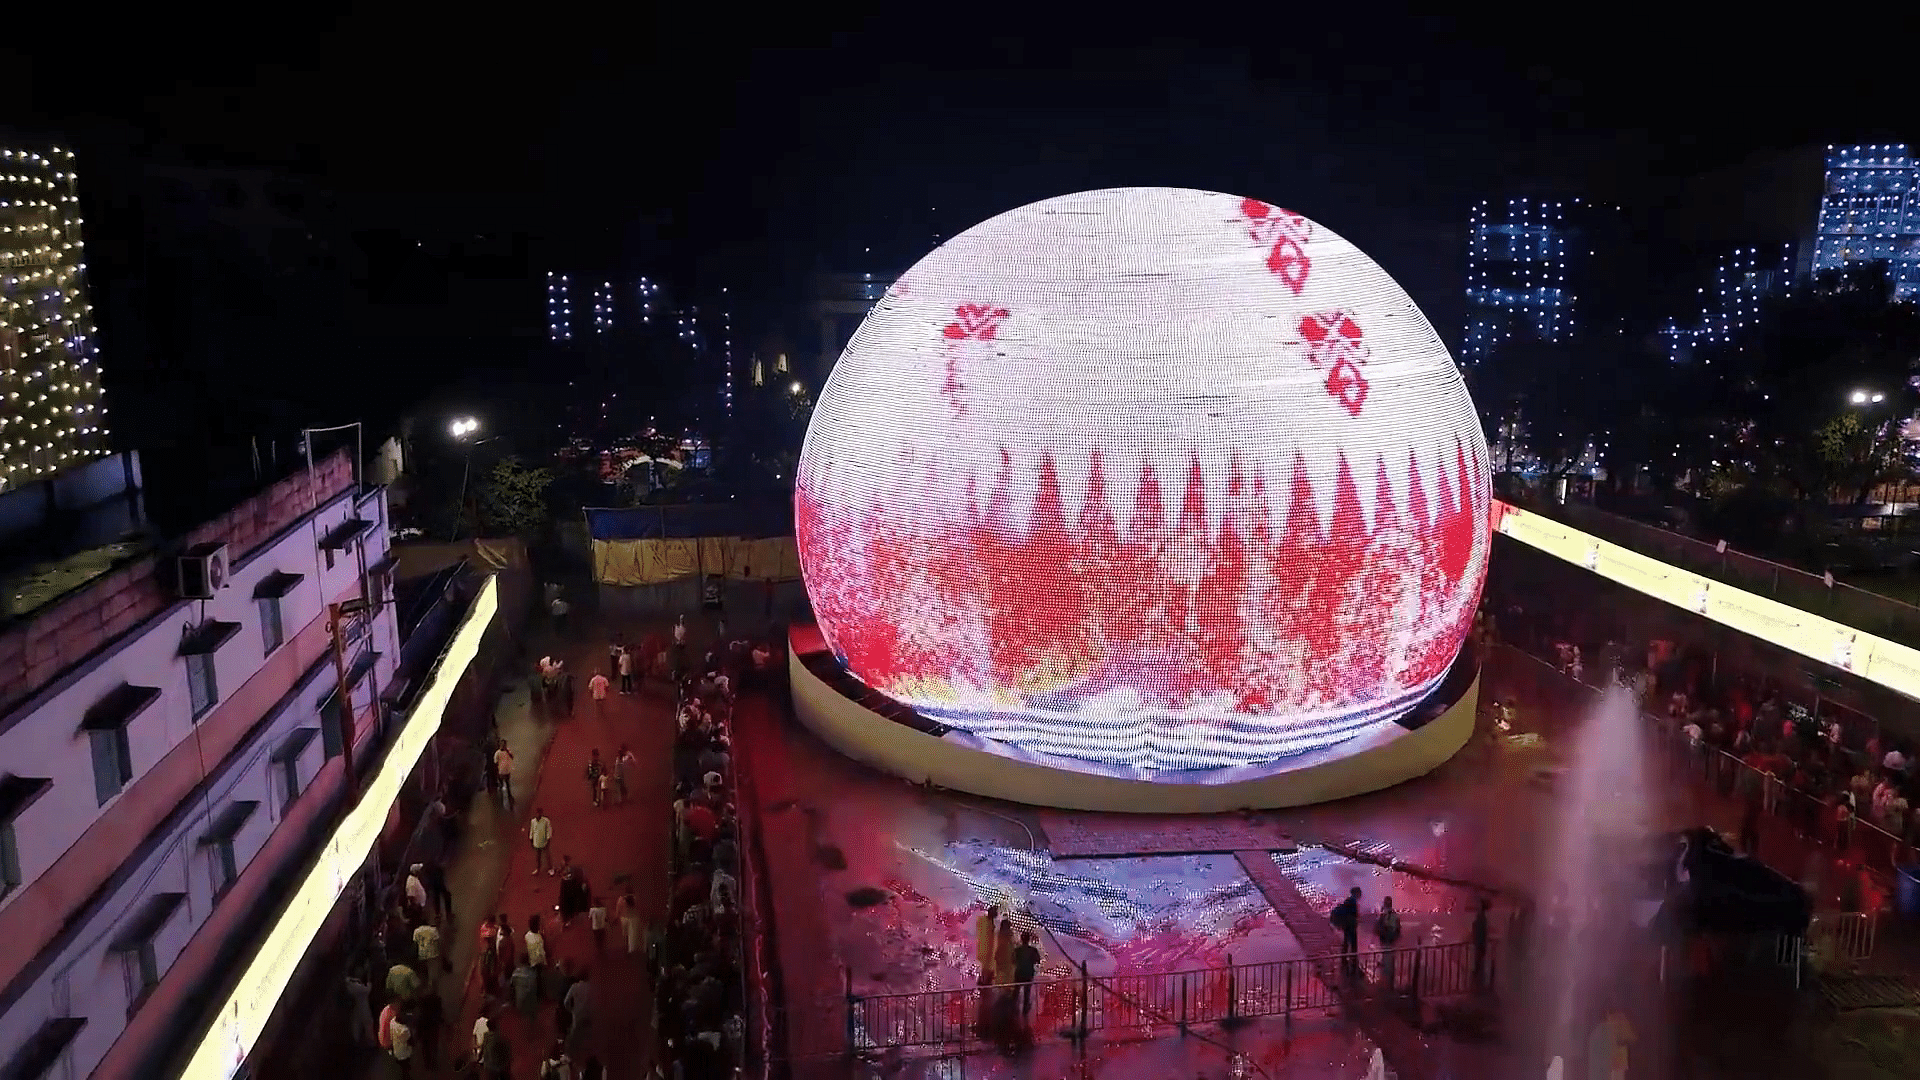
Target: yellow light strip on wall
(1888, 663)
(243, 1016)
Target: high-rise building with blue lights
(1541, 269)
(1871, 213)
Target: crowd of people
(1828, 773)
(697, 955)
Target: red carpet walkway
(614, 844)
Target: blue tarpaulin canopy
(749, 520)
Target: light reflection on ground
(1430, 912)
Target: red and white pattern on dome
(1150, 477)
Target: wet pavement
(894, 876)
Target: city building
(52, 416)
(840, 303)
(1870, 212)
(174, 743)
(1730, 308)
(1543, 269)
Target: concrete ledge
(1392, 755)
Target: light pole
(461, 429)
(1866, 397)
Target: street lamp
(460, 429)
(796, 388)
(1865, 397)
(464, 427)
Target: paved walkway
(492, 870)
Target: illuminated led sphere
(1147, 477)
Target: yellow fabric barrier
(652, 562)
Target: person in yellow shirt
(984, 943)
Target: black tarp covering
(1722, 891)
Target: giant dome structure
(1150, 478)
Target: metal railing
(1811, 818)
(1860, 608)
(1141, 1003)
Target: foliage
(1572, 395)
(511, 499)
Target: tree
(511, 499)
(1572, 397)
(1810, 404)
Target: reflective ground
(899, 874)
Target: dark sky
(742, 150)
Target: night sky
(745, 152)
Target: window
(219, 843)
(135, 945)
(331, 741)
(272, 631)
(198, 649)
(287, 761)
(9, 860)
(202, 686)
(16, 794)
(112, 761)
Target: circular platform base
(1379, 759)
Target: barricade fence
(1140, 1003)
(1854, 838)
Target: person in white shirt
(540, 832)
(1894, 761)
(480, 1029)
(626, 670)
(416, 889)
(400, 1042)
(536, 943)
(597, 686)
(680, 632)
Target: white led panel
(1148, 477)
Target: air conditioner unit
(203, 571)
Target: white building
(170, 744)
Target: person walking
(984, 930)
(1386, 927)
(503, 768)
(526, 990)
(429, 1028)
(559, 607)
(596, 775)
(597, 689)
(487, 769)
(426, 947)
(360, 1020)
(623, 763)
(1345, 917)
(1026, 964)
(400, 1042)
(540, 833)
(629, 913)
(489, 961)
(536, 942)
(623, 664)
(440, 897)
(579, 1003)
(597, 919)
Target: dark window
(272, 631)
(9, 859)
(201, 684)
(112, 762)
(288, 760)
(135, 945)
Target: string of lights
(559, 307)
(54, 415)
(1524, 269)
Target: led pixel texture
(1147, 477)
